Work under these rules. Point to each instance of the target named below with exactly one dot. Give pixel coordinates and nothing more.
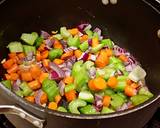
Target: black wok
(132, 24)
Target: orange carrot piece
(12, 55)
(44, 98)
(84, 38)
(134, 85)
(57, 44)
(99, 83)
(57, 99)
(106, 101)
(73, 31)
(112, 82)
(41, 47)
(129, 82)
(52, 105)
(35, 71)
(30, 99)
(91, 85)
(109, 52)
(14, 76)
(58, 61)
(13, 69)
(67, 55)
(34, 85)
(7, 76)
(129, 91)
(43, 76)
(21, 55)
(26, 76)
(44, 54)
(68, 80)
(95, 42)
(8, 64)
(38, 56)
(123, 58)
(71, 95)
(78, 53)
(45, 62)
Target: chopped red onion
(84, 56)
(81, 27)
(16, 85)
(98, 31)
(92, 72)
(38, 96)
(54, 75)
(49, 43)
(90, 42)
(123, 107)
(80, 34)
(118, 50)
(93, 57)
(69, 49)
(29, 56)
(64, 44)
(67, 71)
(45, 35)
(98, 102)
(61, 87)
(119, 73)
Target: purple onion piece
(81, 27)
(64, 44)
(38, 97)
(54, 75)
(93, 57)
(98, 31)
(45, 35)
(67, 71)
(92, 72)
(84, 56)
(69, 49)
(29, 56)
(90, 42)
(61, 86)
(49, 43)
(123, 107)
(16, 85)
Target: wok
(132, 24)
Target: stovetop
(153, 123)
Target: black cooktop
(153, 123)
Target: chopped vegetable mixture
(76, 70)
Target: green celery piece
(74, 41)
(114, 60)
(89, 109)
(26, 90)
(6, 83)
(122, 95)
(89, 33)
(84, 87)
(77, 67)
(84, 46)
(106, 110)
(86, 96)
(95, 35)
(39, 41)
(69, 87)
(122, 78)
(61, 109)
(101, 93)
(97, 48)
(121, 86)
(109, 92)
(117, 101)
(88, 64)
(54, 53)
(15, 47)
(64, 32)
(120, 66)
(139, 99)
(107, 42)
(28, 49)
(29, 38)
(145, 91)
(75, 104)
(19, 93)
(50, 87)
(58, 36)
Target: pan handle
(12, 109)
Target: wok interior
(131, 24)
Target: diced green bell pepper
(50, 87)
(97, 48)
(145, 91)
(75, 104)
(89, 109)
(15, 47)
(61, 109)
(69, 87)
(64, 32)
(84, 46)
(86, 96)
(74, 41)
(39, 41)
(28, 49)
(26, 90)
(6, 83)
(106, 110)
(89, 33)
(107, 42)
(29, 38)
(54, 53)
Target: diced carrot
(73, 31)
(58, 61)
(129, 82)
(8, 64)
(68, 80)
(21, 55)
(52, 105)
(58, 98)
(67, 55)
(99, 83)
(16, 60)
(112, 82)
(41, 47)
(102, 59)
(45, 62)
(34, 85)
(12, 55)
(14, 76)
(26, 76)
(91, 85)
(13, 69)
(30, 98)
(130, 91)
(38, 56)
(123, 58)
(44, 54)
(95, 42)
(35, 71)
(78, 53)
(134, 85)
(84, 38)
(43, 76)
(44, 98)
(57, 44)
(71, 95)
(109, 52)
(8, 77)
(106, 101)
